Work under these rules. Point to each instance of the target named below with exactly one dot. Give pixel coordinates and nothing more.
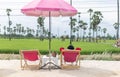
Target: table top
(50, 56)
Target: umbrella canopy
(48, 8)
(43, 7)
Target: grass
(15, 45)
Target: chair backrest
(61, 48)
(70, 55)
(77, 48)
(30, 55)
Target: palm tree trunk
(9, 28)
(118, 18)
(93, 35)
(96, 37)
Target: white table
(45, 59)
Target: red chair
(70, 59)
(30, 56)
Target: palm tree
(9, 21)
(74, 30)
(4, 30)
(84, 27)
(46, 32)
(99, 31)
(18, 28)
(38, 30)
(116, 28)
(90, 11)
(32, 31)
(28, 30)
(96, 19)
(22, 30)
(72, 24)
(78, 25)
(40, 21)
(14, 30)
(104, 31)
(77, 29)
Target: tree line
(79, 28)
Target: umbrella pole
(49, 34)
(50, 44)
(49, 39)
(71, 27)
(71, 31)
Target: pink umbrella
(43, 7)
(49, 8)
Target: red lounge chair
(70, 59)
(30, 58)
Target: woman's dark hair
(70, 47)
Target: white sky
(60, 24)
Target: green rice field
(15, 45)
